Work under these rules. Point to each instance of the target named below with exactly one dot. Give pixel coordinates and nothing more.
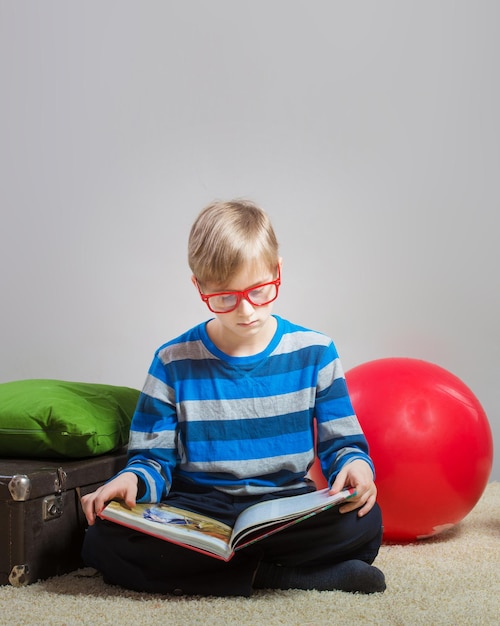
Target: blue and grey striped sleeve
(152, 443)
(340, 437)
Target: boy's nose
(245, 306)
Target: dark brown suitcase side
(41, 522)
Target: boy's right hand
(122, 487)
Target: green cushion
(55, 418)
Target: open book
(209, 536)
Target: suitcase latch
(60, 482)
(52, 507)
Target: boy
(225, 419)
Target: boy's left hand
(357, 474)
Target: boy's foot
(353, 576)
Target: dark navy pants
(140, 562)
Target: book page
(283, 509)
(168, 522)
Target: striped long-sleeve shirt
(243, 425)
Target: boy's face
(246, 321)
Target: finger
(367, 507)
(357, 502)
(352, 504)
(100, 502)
(130, 500)
(338, 483)
(368, 501)
(88, 509)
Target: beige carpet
(452, 579)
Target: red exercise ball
(430, 441)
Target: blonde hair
(227, 234)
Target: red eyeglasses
(227, 301)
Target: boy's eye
(255, 293)
(224, 301)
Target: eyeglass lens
(221, 303)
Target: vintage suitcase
(41, 522)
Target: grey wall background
(368, 130)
